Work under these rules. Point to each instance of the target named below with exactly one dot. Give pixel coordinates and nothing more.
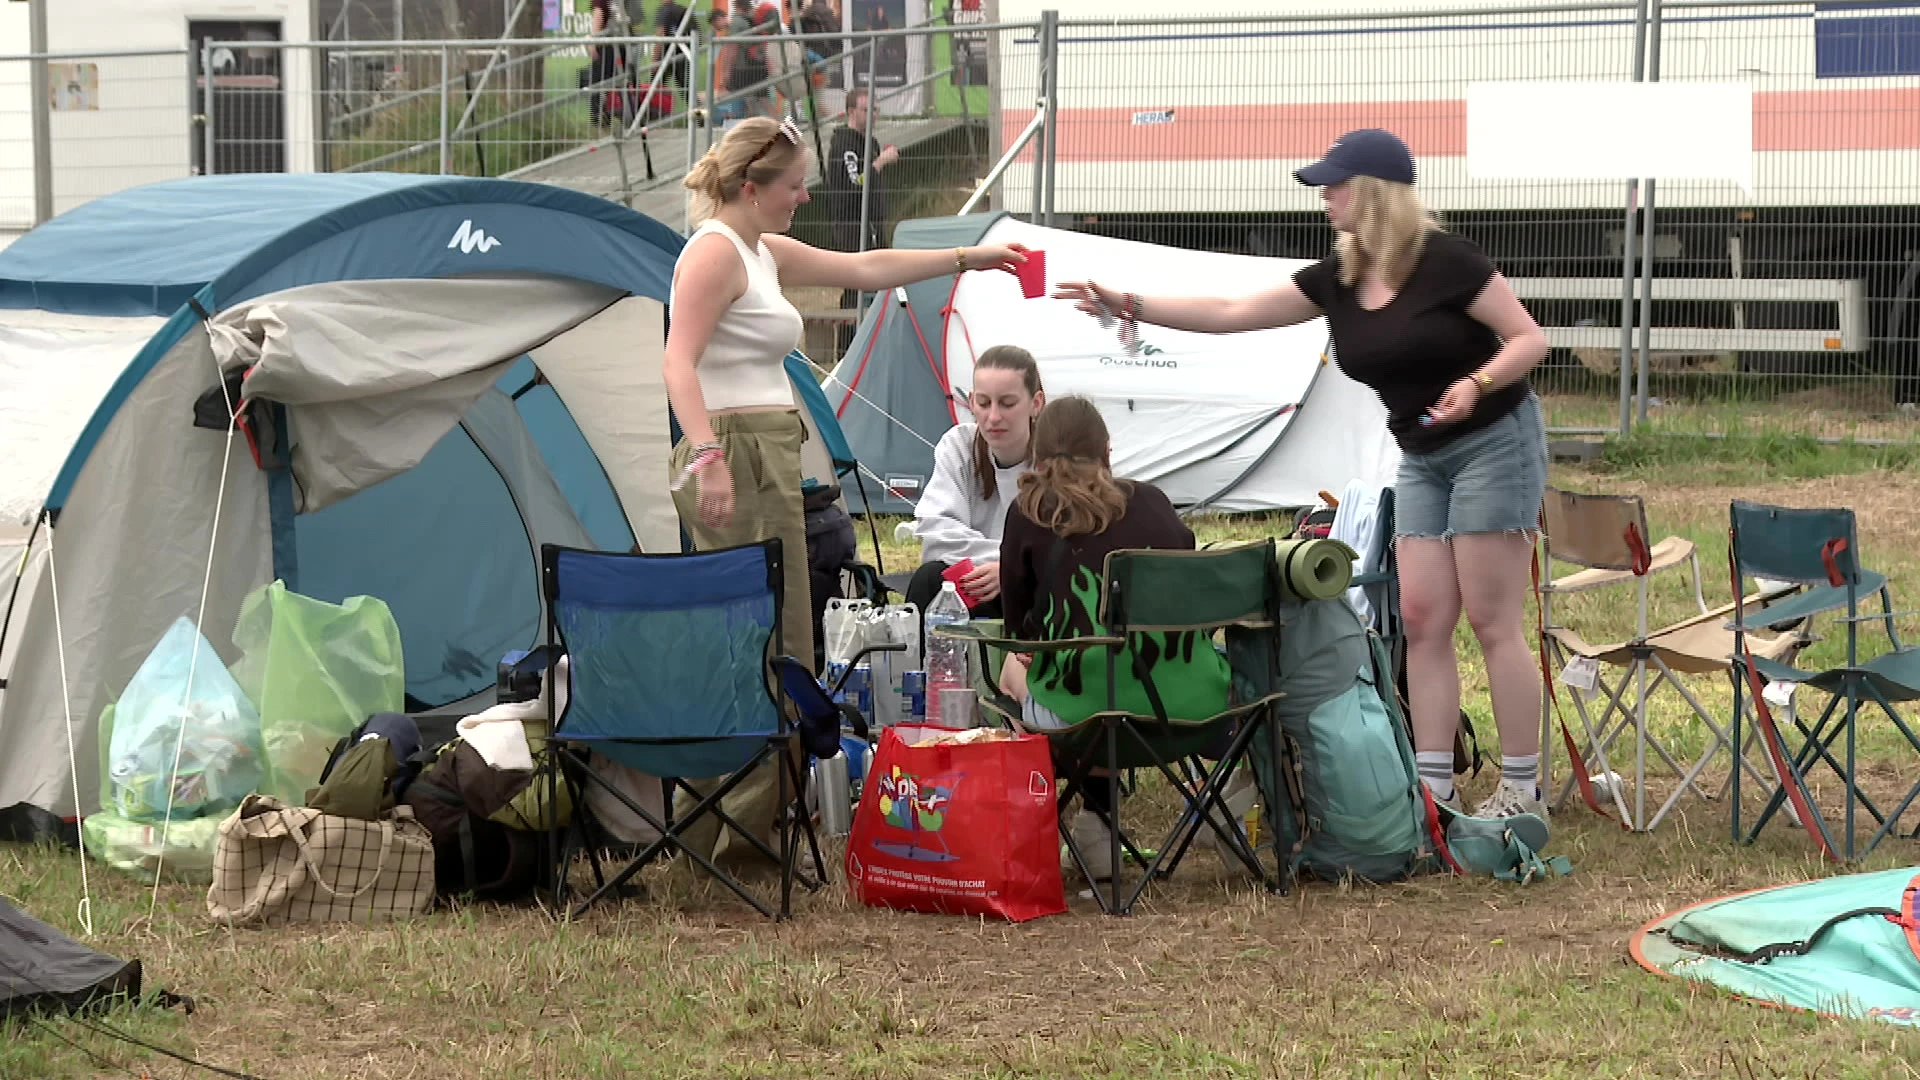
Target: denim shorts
(1487, 481)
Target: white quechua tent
(1253, 421)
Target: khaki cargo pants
(763, 455)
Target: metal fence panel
(1790, 307)
(1787, 308)
(116, 120)
(1808, 283)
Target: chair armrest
(1878, 616)
(853, 661)
(974, 633)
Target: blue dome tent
(444, 374)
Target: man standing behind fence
(846, 174)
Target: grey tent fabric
(132, 544)
(905, 410)
(44, 970)
(497, 429)
(375, 372)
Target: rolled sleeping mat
(1314, 569)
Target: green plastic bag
(133, 847)
(317, 671)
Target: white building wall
(143, 126)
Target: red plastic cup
(957, 571)
(1033, 275)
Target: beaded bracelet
(1129, 318)
(706, 455)
(1130, 324)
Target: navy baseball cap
(1365, 152)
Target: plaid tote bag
(274, 864)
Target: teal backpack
(1340, 791)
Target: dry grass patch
(1431, 978)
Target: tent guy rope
(199, 621)
(85, 911)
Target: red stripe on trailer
(1883, 119)
(1783, 120)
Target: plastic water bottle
(946, 657)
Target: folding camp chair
(669, 666)
(1231, 588)
(1818, 548)
(1606, 536)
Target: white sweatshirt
(953, 519)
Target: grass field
(1434, 978)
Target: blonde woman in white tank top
(730, 333)
(738, 463)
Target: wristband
(699, 461)
(959, 260)
(1129, 318)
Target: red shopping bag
(958, 828)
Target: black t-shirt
(1423, 341)
(843, 173)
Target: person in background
(605, 63)
(667, 21)
(1070, 513)
(845, 175)
(976, 465)
(1424, 318)
(819, 17)
(744, 59)
(735, 472)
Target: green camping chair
(1818, 548)
(1151, 591)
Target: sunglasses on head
(789, 129)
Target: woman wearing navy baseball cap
(1424, 318)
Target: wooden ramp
(643, 172)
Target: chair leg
(672, 840)
(1199, 807)
(784, 824)
(1113, 829)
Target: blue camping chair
(669, 673)
(1818, 548)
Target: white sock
(1522, 771)
(1436, 771)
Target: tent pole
(13, 595)
(873, 530)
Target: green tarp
(1844, 946)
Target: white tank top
(745, 361)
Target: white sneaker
(1512, 798)
(1095, 841)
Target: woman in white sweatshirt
(976, 472)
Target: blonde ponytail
(758, 149)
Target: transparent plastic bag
(220, 754)
(317, 671)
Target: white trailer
(1189, 131)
